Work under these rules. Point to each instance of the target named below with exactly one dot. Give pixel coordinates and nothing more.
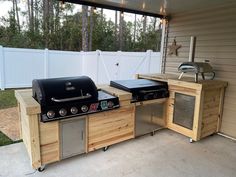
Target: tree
(91, 28)
(17, 15)
(115, 31)
(85, 28)
(53, 26)
(121, 25)
(135, 25)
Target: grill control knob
(110, 104)
(74, 110)
(84, 108)
(62, 112)
(50, 114)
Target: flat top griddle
(137, 84)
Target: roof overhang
(155, 8)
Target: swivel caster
(42, 168)
(152, 133)
(191, 140)
(106, 148)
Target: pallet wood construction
(208, 96)
(107, 128)
(42, 140)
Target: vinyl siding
(215, 31)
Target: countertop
(187, 82)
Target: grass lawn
(7, 99)
(4, 140)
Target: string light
(94, 9)
(122, 14)
(142, 17)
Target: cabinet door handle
(82, 135)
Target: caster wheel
(106, 148)
(191, 140)
(152, 133)
(42, 168)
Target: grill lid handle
(72, 99)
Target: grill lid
(56, 91)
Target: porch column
(163, 44)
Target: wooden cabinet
(195, 109)
(53, 141)
(107, 128)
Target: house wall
(215, 31)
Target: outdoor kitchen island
(193, 109)
(45, 141)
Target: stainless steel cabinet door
(184, 110)
(144, 118)
(72, 133)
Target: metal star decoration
(173, 48)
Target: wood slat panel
(215, 31)
(49, 142)
(111, 127)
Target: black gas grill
(67, 97)
(142, 89)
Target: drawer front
(110, 127)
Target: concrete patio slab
(167, 154)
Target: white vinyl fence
(18, 67)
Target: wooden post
(163, 44)
(46, 63)
(19, 114)
(2, 69)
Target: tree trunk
(144, 32)
(101, 14)
(17, 15)
(32, 15)
(115, 42)
(46, 21)
(154, 23)
(29, 14)
(144, 24)
(36, 16)
(85, 28)
(14, 14)
(51, 17)
(121, 31)
(91, 29)
(135, 26)
(57, 18)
